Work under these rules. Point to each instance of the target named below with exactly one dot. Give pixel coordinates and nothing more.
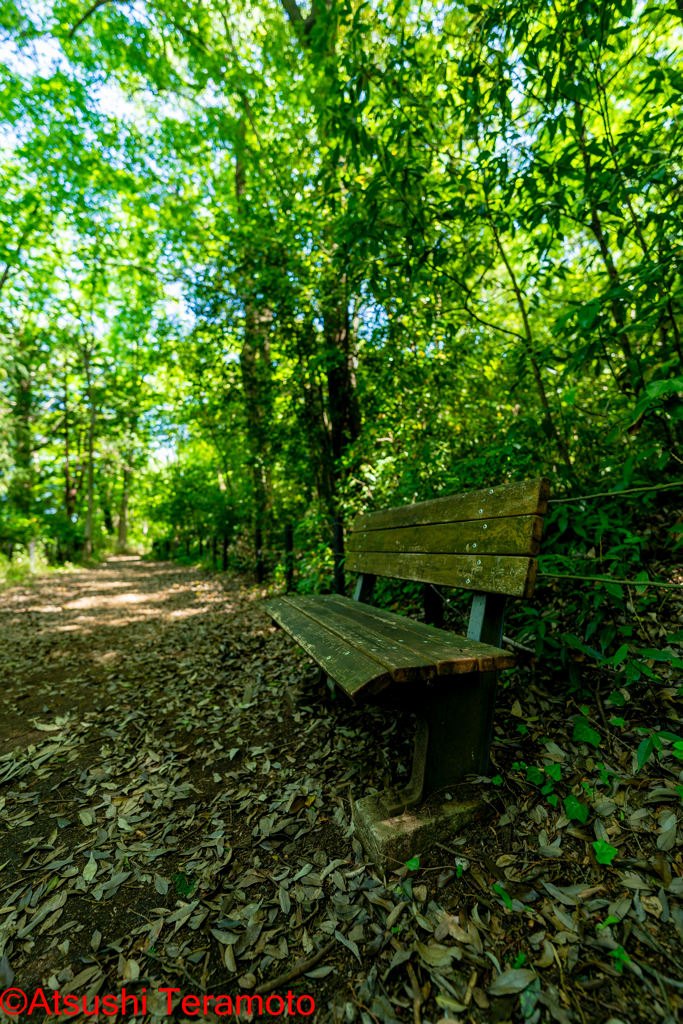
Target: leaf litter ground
(175, 812)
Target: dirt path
(150, 765)
(170, 818)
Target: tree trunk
(122, 541)
(341, 378)
(87, 544)
(23, 407)
(69, 484)
(255, 369)
(105, 503)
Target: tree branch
(91, 10)
(296, 17)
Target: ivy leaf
(604, 852)
(413, 864)
(621, 957)
(583, 733)
(575, 810)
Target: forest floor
(170, 819)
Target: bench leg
(453, 738)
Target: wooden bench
(484, 541)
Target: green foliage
(653, 743)
(583, 733)
(184, 885)
(400, 254)
(500, 891)
(621, 957)
(610, 920)
(575, 810)
(604, 853)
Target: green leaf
(503, 895)
(497, 780)
(621, 654)
(587, 313)
(621, 957)
(583, 733)
(413, 864)
(642, 577)
(604, 853)
(617, 698)
(575, 810)
(618, 722)
(608, 921)
(574, 642)
(554, 771)
(656, 655)
(644, 750)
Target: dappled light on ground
(175, 810)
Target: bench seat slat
(403, 665)
(365, 649)
(453, 654)
(343, 662)
(526, 497)
(512, 535)
(497, 574)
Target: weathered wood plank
(497, 574)
(404, 665)
(344, 663)
(443, 646)
(510, 535)
(449, 659)
(526, 497)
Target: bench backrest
(481, 540)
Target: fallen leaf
(510, 982)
